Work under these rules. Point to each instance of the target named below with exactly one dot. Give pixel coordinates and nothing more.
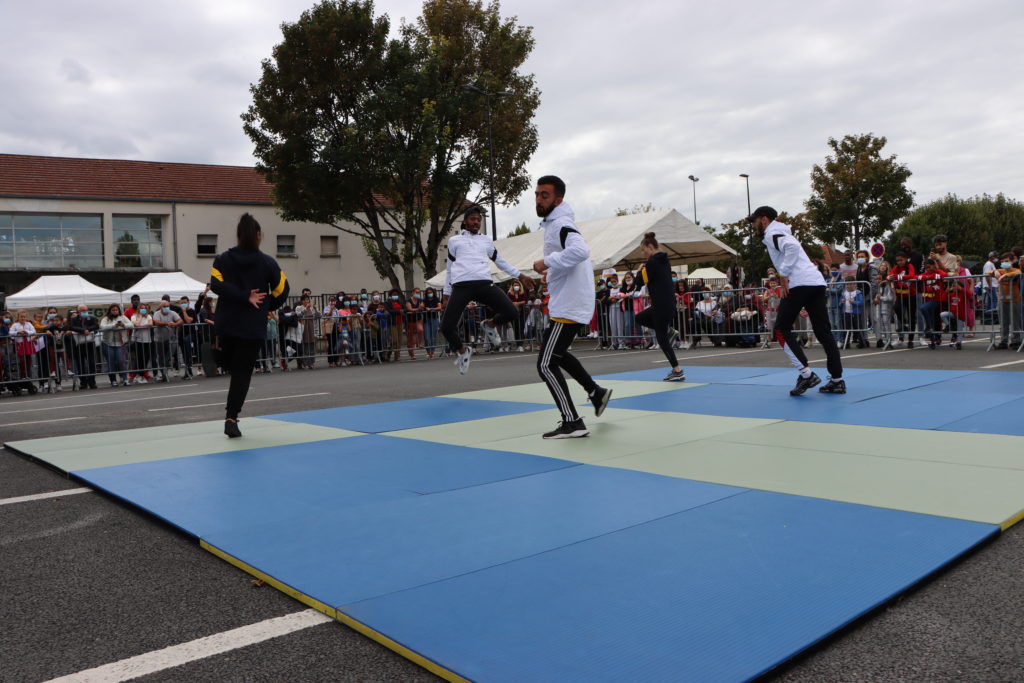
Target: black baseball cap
(473, 209)
(940, 238)
(763, 211)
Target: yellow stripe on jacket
(216, 274)
(280, 286)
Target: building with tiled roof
(113, 221)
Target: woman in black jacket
(249, 283)
(657, 276)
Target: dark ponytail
(249, 233)
(649, 241)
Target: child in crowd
(956, 310)
(853, 310)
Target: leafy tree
(378, 137)
(521, 229)
(637, 208)
(857, 194)
(974, 226)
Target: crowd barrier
(886, 314)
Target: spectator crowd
(912, 299)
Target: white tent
(155, 285)
(615, 243)
(62, 291)
(707, 274)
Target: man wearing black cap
(803, 287)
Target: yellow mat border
(428, 664)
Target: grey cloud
(74, 72)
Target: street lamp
(490, 147)
(694, 179)
(747, 178)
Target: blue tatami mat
(350, 554)
(207, 494)
(1005, 418)
(421, 412)
(722, 592)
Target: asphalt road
(89, 580)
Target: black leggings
(813, 299)
(485, 293)
(239, 356)
(554, 356)
(659, 323)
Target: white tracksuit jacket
(469, 258)
(570, 273)
(789, 257)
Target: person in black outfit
(657, 276)
(249, 283)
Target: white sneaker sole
(572, 435)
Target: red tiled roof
(52, 177)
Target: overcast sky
(635, 96)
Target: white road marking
(103, 403)
(682, 358)
(43, 496)
(218, 643)
(36, 422)
(250, 400)
(1001, 365)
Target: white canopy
(707, 274)
(62, 291)
(155, 285)
(615, 243)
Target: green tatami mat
(981, 450)
(980, 494)
(475, 432)
(537, 392)
(621, 437)
(128, 446)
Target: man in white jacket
(803, 286)
(570, 278)
(468, 278)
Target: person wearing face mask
(834, 285)
(601, 301)
(615, 323)
(468, 278)
(866, 276)
(1008, 279)
(84, 328)
(657, 276)
(517, 295)
(165, 330)
(803, 288)
(331, 327)
(309, 319)
(142, 339)
(431, 319)
(414, 308)
(114, 328)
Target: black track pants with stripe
(813, 299)
(485, 293)
(555, 357)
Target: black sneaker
(674, 377)
(804, 383)
(834, 386)
(231, 429)
(600, 399)
(568, 430)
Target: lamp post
(694, 179)
(746, 177)
(490, 148)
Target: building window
(206, 245)
(138, 242)
(51, 240)
(286, 245)
(328, 245)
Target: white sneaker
(142, 380)
(491, 334)
(462, 360)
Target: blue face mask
(1006, 264)
(394, 298)
(142, 311)
(51, 316)
(363, 297)
(7, 321)
(84, 314)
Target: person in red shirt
(956, 309)
(904, 280)
(932, 293)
